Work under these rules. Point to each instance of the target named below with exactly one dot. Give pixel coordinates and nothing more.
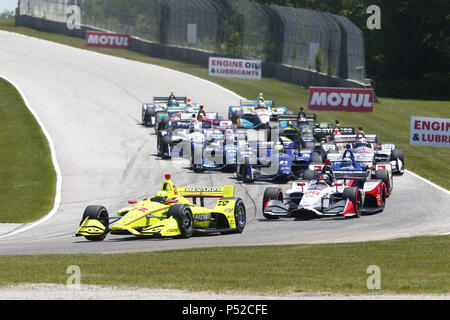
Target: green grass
(415, 265)
(390, 119)
(27, 188)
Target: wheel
(355, 196)
(196, 159)
(271, 193)
(308, 174)
(165, 145)
(98, 213)
(147, 117)
(383, 175)
(397, 154)
(316, 158)
(246, 172)
(240, 215)
(183, 214)
(383, 198)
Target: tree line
(409, 57)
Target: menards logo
(202, 189)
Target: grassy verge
(27, 188)
(390, 119)
(415, 265)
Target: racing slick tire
(316, 159)
(196, 153)
(147, 117)
(244, 168)
(397, 154)
(183, 214)
(99, 213)
(383, 175)
(165, 145)
(240, 217)
(309, 175)
(355, 196)
(271, 193)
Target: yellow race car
(169, 214)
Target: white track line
(57, 200)
(429, 182)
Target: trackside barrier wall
(299, 46)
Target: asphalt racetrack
(90, 104)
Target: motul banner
(107, 40)
(430, 131)
(340, 99)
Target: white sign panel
(235, 68)
(430, 131)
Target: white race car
(327, 196)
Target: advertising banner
(235, 68)
(107, 40)
(430, 131)
(340, 99)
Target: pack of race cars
(334, 170)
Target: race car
(176, 137)
(348, 165)
(326, 196)
(299, 129)
(255, 114)
(168, 214)
(368, 149)
(215, 150)
(263, 161)
(162, 106)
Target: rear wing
(360, 175)
(253, 103)
(351, 138)
(180, 124)
(166, 99)
(287, 119)
(206, 192)
(326, 132)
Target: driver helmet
(279, 145)
(261, 102)
(161, 196)
(325, 178)
(172, 100)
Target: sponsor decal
(341, 99)
(202, 189)
(430, 131)
(107, 40)
(235, 68)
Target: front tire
(240, 216)
(355, 196)
(271, 193)
(183, 215)
(99, 213)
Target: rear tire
(271, 193)
(165, 145)
(183, 214)
(98, 213)
(308, 174)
